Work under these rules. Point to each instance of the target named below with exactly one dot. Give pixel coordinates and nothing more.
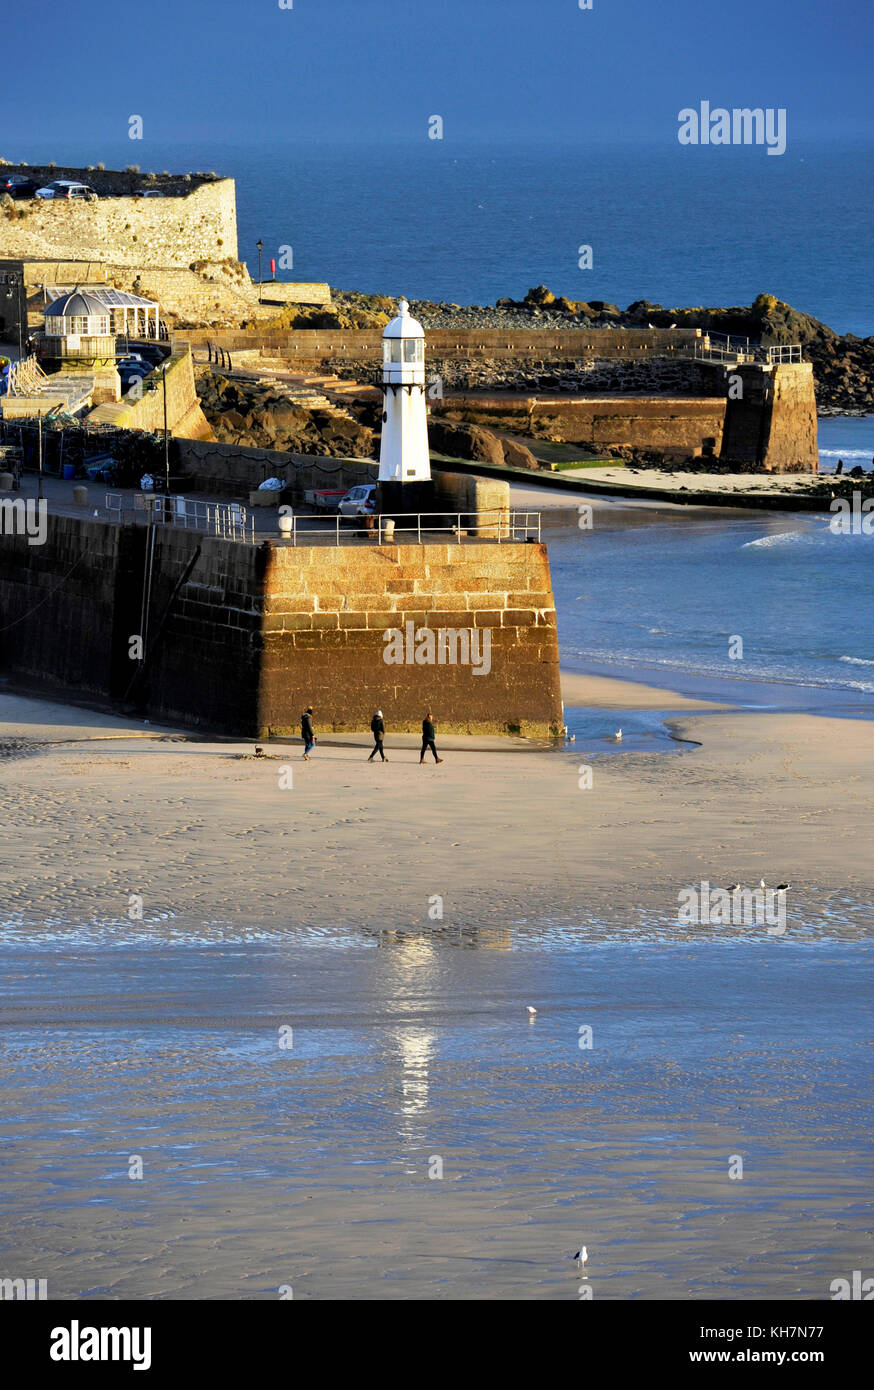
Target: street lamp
(260, 244)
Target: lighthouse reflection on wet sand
(404, 461)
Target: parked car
(18, 186)
(359, 501)
(66, 188)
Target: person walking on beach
(306, 731)
(428, 736)
(377, 728)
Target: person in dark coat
(306, 731)
(428, 736)
(377, 728)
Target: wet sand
(308, 907)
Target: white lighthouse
(403, 452)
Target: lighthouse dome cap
(403, 326)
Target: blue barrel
(69, 470)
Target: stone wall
(772, 425)
(242, 641)
(58, 604)
(232, 470)
(327, 611)
(682, 426)
(184, 415)
(311, 346)
(126, 231)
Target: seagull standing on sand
(581, 1256)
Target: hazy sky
(376, 69)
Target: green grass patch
(586, 463)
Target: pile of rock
(479, 445)
(267, 417)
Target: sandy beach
(313, 908)
(96, 808)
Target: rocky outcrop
(480, 445)
(265, 417)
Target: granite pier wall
(240, 638)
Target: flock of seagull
(780, 888)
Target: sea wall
(328, 610)
(310, 346)
(771, 424)
(58, 605)
(683, 426)
(125, 231)
(240, 638)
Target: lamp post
(153, 387)
(260, 244)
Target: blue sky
(232, 70)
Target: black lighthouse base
(400, 499)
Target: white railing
(785, 352)
(228, 520)
(499, 524)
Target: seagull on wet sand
(581, 1256)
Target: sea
(472, 222)
(774, 608)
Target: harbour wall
(240, 638)
(175, 230)
(686, 426)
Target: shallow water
(674, 593)
(309, 1165)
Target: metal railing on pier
(414, 527)
(227, 520)
(785, 352)
(722, 348)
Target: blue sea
(661, 594)
(470, 223)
